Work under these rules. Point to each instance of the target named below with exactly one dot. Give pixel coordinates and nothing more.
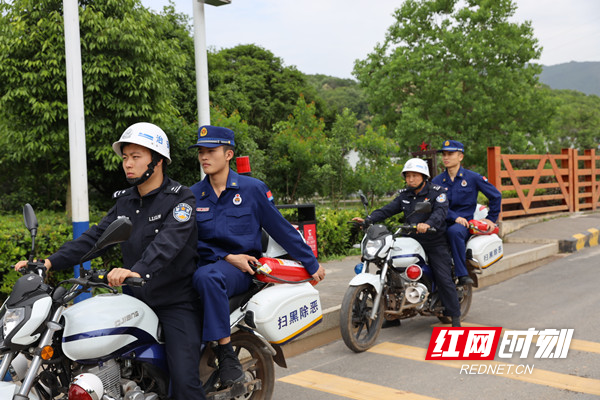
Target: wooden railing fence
(545, 183)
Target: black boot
(230, 369)
(390, 323)
(465, 280)
(456, 322)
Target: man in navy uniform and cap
(231, 210)
(463, 187)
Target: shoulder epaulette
(402, 190)
(437, 187)
(121, 193)
(173, 189)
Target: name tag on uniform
(154, 218)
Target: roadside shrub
(54, 229)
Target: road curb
(578, 241)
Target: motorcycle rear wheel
(465, 296)
(358, 330)
(256, 362)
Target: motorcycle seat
(242, 298)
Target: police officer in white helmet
(420, 189)
(161, 249)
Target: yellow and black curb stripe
(578, 241)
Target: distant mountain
(581, 76)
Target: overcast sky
(327, 36)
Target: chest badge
(237, 199)
(463, 183)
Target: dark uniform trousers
(441, 264)
(181, 326)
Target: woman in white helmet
(161, 249)
(420, 189)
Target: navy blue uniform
(231, 224)
(162, 249)
(462, 196)
(434, 243)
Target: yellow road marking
(580, 241)
(538, 376)
(349, 388)
(594, 238)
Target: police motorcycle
(394, 281)
(110, 346)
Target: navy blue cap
(214, 136)
(452, 145)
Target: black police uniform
(434, 243)
(162, 249)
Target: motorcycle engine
(110, 375)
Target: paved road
(562, 294)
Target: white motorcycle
(402, 284)
(110, 347)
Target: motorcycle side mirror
(364, 200)
(31, 221)
(117, 232)
(423, 207)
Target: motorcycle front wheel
(257, 365)
(465, 296)
(358, 330)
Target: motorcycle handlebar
(37, 267)
(414, 228)
(137, 282)
(101, 277)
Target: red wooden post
(494, 168)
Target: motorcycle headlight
(372, 247)
(12, 318)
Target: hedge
(53, 230)
(335, 238)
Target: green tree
(461, 70)
(576, 123)
(296, 154)
(335, 174)
(376, 173)
(132, 62)
(340, 93)
(252, 81)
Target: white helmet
(416, 165)
(147, 135)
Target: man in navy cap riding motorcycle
(231, 210)
(463, 186)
